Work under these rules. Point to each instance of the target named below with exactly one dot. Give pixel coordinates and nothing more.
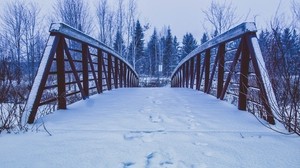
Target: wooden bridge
(75, 66)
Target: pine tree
(139, 61)
(189, 43)
(204, 38)
(119, 44)
(167, 54)
(153, 52)
(176, 52)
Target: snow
(150, 127)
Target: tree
(102, 13)
(189, 43)
(74, 13)
(176, 53)
(153, 53)
(167, 53)
(119, 44)
(221, 15)
(204, 38)
(138, 49)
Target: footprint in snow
(127, 164)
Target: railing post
(61, 81)
(187, 74)
(100, 64)
(207, 69)
(85, 70)
(116, 76)
(221, 69)
(183, 75)
(125, 77)
(198, 66)
(109, 71)
(243, 86)
(121, 74)
(192, 77)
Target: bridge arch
(231, 67)
(74, 66)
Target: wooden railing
(230, 67)
(75, 66)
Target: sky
(187, 15)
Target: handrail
(231, 67)
(67, 74)
(78, 35)
(230, 35)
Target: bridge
(200, 121)
(229, 67)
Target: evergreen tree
(119, 45)
(153, 53)
(204, 38)
(176, 52)
(167, 54)
(140, 62)
(189, 43)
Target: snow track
(150, 128)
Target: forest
(23, 39)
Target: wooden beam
(231, 71)
(42, 75)
(198, 67)
(207, 69)
(100, 71)
(244, 70)
(221, 69)
(61, 81)
(85, 70)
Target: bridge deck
(151, 127)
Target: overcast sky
(187, 16)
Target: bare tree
(12, 22)
(74, 13)
(102, 14)
(221, 15)
(296, 12)
(130, 22)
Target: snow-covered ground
(150, 127)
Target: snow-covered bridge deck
(150, 127)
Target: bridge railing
(73, 67)
(230, 67)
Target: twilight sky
(187, 16)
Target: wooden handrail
(214, 69)
(97, 67)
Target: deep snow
(150, 127)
